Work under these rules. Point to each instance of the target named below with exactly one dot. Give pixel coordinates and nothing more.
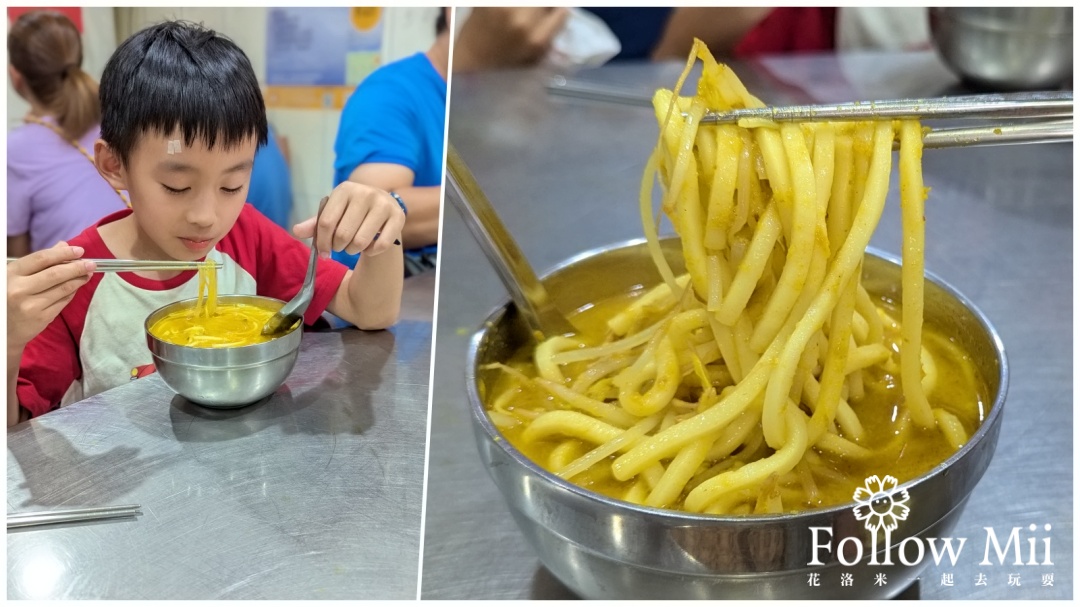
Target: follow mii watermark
(881, 506)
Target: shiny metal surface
(604, 548)
(223, 377)
(1006, 47)
(532, 299)
(313, 493)
(565, 175)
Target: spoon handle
(298, 305)
(529, 295)
(294, 309)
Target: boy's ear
(109, 165)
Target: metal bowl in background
(224, 377)
(1005, 48)
(605, 548)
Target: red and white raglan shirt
(98, 341)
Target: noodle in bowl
(224, 377)
(757, 383)
(602, 547)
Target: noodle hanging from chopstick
(731, 389)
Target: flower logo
(880, 504)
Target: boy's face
(185, 201)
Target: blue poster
(322, 46)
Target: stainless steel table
(314, 493)
(564, 174)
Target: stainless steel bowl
(224, 377)
(605, 548)
(1005, 48)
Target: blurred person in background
(391, 137)
(668, 33)
(270, 188)
(752, 31)
(54, 191)
(493, 38)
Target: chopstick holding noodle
(766, 378)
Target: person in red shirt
(182, 116)
(748, 31)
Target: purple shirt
(53, 191)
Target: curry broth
(231, 325)
(959, 390)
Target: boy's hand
(39, 286)
(353, 215)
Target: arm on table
(369, 307)
(422, 224)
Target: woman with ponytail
(54, 190)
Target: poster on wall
(315, 57)
(71, 12)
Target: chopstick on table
(51, 517)
(1050, 113)
(139, 265)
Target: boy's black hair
(180, 74)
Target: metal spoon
(529, 295)
(293, 311)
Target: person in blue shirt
(391, 137)
(271, 186)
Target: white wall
(310, 133)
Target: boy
(182, 116)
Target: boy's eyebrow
(175, 166)
(243, 166)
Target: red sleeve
(791, 29)
(279, 262)
(50, 362)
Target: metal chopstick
(133, 265)
(593, 91)
(90, 509)
(1042, 104)
(1010, 106)
(31, 519)
(1032, 132)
